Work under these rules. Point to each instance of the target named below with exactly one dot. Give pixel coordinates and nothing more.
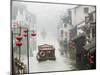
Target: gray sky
(47, 15)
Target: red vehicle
(46, 52)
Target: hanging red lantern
(19, 37)
(24, 35)
(91, 61)
(33, 34)
(19, 43)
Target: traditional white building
(72, 23)
(74, 20)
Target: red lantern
(91, 61)
(33, 34)
(18, 37)
(24, 35)
(19, 43)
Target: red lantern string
(19, 37)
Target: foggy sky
(47, 15)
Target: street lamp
(26, 34)
(18, 42)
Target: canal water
(62, 62)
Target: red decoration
(19, 43)
(33, 34)
(24, 35)
(90, 58)
(91, 61)
(19, 37)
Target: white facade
(64, 32)
(76, 19)
(79, 13)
